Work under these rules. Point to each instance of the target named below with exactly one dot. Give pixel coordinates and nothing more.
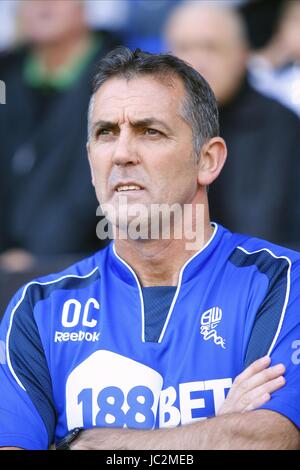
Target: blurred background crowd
(249, 52)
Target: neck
(158, 262)
(61, 54)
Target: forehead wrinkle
(137, 121)
(134, 113)
(112, 106)
(134, 83)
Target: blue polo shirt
(91, 347)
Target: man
(256, 192)
(274, 69)
(148, 333)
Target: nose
(125, 151)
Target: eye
(103, 132)
(151, 131)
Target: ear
(212, 158)
(88, 148)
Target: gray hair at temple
(199, 108)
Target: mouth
(123, 188)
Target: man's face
(209, 41)
(48, 21)
(141, 147)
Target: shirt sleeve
(286, 350)
(27, 412)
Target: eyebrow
(103, 124)
(147, 122)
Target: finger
(259, 401)
(253, 369)
(268, 387)
(249, 401)
(263, 377)
(241, 389)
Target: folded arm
(261, 429)
(237, 426)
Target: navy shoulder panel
(269, 315)
(25, 347)
(41, 290)
(29, 363)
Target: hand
(253, 387)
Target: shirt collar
(191, 267)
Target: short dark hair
(199, 109)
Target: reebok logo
(209, 322)
(62, 337)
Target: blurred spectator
(253, 193)
(8, 24)
(47, 201)
(275, 69)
